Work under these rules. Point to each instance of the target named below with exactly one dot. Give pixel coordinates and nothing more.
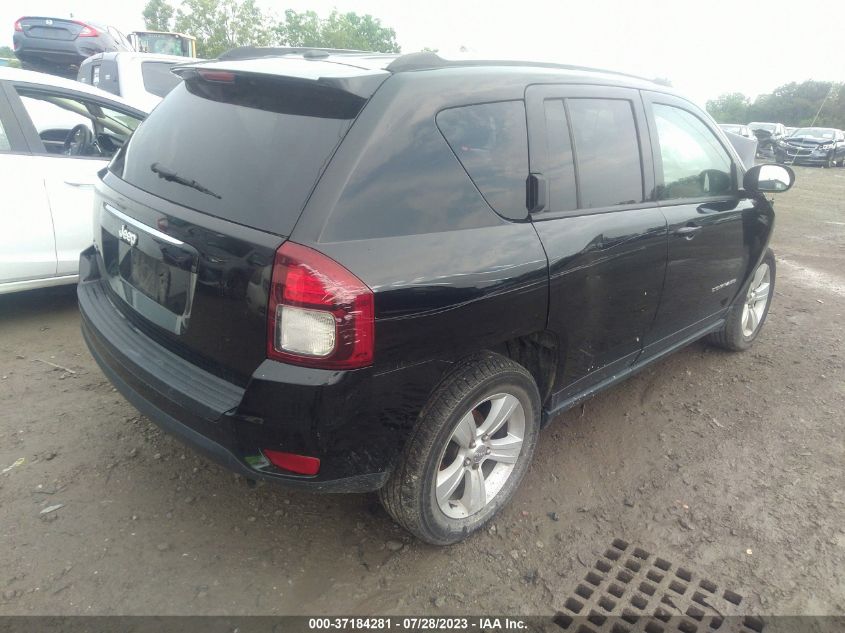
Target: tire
(464, 401)
(735, 335)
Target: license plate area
(151, 271)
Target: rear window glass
(248, 149)
(491, 142)
(607, 152)
(158, 79)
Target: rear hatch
(51, 28)
(192, 210)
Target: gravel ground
(730, 464)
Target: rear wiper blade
(172, 176)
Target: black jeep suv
(354, 272)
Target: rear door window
(491, 142)
(253, 147)
(607, 152)
(158, 79)
(561, 171)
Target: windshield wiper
(172, 176)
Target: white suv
(142, 78)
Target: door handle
(687, 232)
(74, 183)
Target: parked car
(55, 134)
(813, 146)
(437, 287)
(738, 129)
(58, 45)
(141, 78)
(768, 135)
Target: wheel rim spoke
(762, 269)
(475, 491)
(506, 450)
(756, 300)
(465, 432)
(752, 320)
(449, 479)
(501, 409)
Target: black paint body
(599, 292)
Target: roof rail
(431, 61)
(252, 52)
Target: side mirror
(768, 179)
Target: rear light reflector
(309, 332)
(220, 76)
(18, 26)
(300, 464)
(319, 314)
(87, 31)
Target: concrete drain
(629, 589)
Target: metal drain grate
(629, 590)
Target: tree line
(220, 25)
(793, 104)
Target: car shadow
(33, 303)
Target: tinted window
(491, 141)
(607, 152)
(158, 79)
(561, 171)
(257, 144)
(694, 162)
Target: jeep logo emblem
(127, 236)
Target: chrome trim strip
(140, 225)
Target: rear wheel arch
(540, 354)
(409, 496)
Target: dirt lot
(729, 463)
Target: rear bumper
(62, 52)
(329, 415)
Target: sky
(704, 47)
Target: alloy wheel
(480, 456)
(756, 300)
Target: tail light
(18, 26)
(319, 314)
(87, 31)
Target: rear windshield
(158, 79)
(247, 149)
